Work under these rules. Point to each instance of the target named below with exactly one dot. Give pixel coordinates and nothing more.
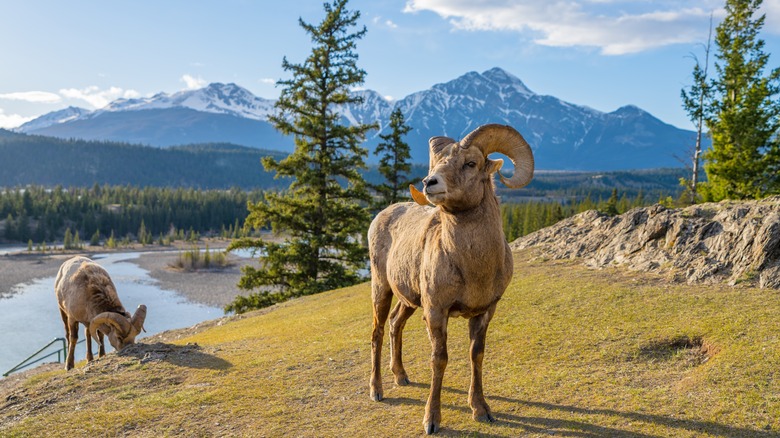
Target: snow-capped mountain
(55, 117)
(216, 98)
(563, 135)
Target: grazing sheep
(87, 295)
(451, 259)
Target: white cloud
(268, 81)
(96, 97)
(192, 82)
(615, 27)
(8, 121)
(380, 21)
(32, 96)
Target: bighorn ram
(87, 295)
(451, 259)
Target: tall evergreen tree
(394, 162)
(744, 113)
(67, 242)
(323, 214)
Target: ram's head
(120, 329)
(460, 173)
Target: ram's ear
(493, 166)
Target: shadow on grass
(190, 355)
(573, 428)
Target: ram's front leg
(437, 331)
(477, 331)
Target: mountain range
(563, 135)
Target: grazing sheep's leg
(89, 344)
(382, 297)
(398, 317)
(437, 331)
(477, 330)
(73, 337)
(67, 333)
(101, 344)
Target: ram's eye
(470, 164)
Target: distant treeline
(39, 214)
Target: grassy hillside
(571, 352)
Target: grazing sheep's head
(458, 169)
(120, 329)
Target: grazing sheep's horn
(110, 318)
(417, 195)
(137, 321)
(505, 140)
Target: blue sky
(600, 53)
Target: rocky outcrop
(732, 242)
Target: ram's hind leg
(382, 297)
(73, 338)
(398, 317)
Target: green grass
(570, 352)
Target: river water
(30, 318)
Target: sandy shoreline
(215, 288)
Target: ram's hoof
(486, 418)
(431, 428)
(376, 396)
(402, 381)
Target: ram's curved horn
(435, 147)
(115, 320)
(505, 140)
(137, 321)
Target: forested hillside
(49, 161)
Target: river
(30, 318)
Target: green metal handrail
(60, 352)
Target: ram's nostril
(430, 181)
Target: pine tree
(144, 236)
(322, 215)
(394, 162)
(67, 242)
(744, 161)
(610, 207)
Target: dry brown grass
(571, 352)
